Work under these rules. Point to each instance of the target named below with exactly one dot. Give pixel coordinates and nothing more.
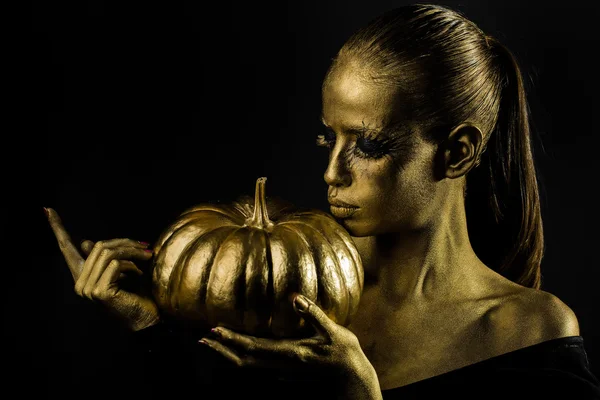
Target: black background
(139, 110)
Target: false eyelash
(380, 151)
(381, 147)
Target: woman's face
(377, 162)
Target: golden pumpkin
(237, 264)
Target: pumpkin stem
(260, 219)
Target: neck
(435, 262)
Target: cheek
(389, 191)
(379, 182)
(415, 191)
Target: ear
(461, 150)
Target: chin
(358, 228)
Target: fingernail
(301, 302)
(46, 212)
(216, 332)
(148, 250)
(144, 243)
(202, 341)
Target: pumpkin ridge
(240, 285)
(226, 210)
(307, 246)
(285, 279)
(211, 314)
(244, 210)
(183, 264)
(181, 223)
(357, 261)
(180, 267)
(326, 294)
(254, 311)
(349, 248)
(196, 214)
(305, 278)
(167, 267)
(344, 311)
(270, 283)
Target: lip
(341, 204)
(343, 212)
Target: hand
(98, 277)
(333, 353)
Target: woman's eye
(369, 148)
(364, 148)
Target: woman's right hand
(97, 277)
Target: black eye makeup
(367, 144)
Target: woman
(425, 120)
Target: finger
(105, 289)
(105, 257)
(87, 246)
(91, 263)
(313, 314)
(74, 260)
(245, 361)
(258, 347)
(88, 266)
(224, 351)
(124, 243)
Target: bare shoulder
(525, 317)
(552, 316)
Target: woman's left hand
(333, 353)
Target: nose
(337, 173)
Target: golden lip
(338, 203)
(343, 212)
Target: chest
(410, 345)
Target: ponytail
(511, 233)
